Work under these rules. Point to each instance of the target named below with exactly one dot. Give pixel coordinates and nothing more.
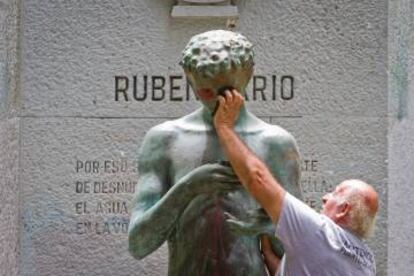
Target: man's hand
(271, 259)
(228, 109)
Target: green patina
(186, 192)
(214, 52)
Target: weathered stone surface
(204, 12)
(49, 176)
(67, 170)
(335, 55)
(401, 145)
(9, 141)
(9, 70)
(9, 196)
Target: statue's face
(207, 89)
(215, 60)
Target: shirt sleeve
(298, 224)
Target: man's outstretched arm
(252, 172)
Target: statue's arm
(284, 161)
(155, 207)
(157, 203)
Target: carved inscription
(314, 183)
(103, 189)
(175, 88)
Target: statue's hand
(256, 223)
(212, 178)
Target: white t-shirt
(315, 245)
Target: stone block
(77, 180)
(9, 196)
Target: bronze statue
(186, 190)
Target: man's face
(332, 203)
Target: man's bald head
(353, 205)
(366, 192)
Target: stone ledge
(204, 11)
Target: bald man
(330, 243)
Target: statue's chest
(193, 149)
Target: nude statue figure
(186, 191)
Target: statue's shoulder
(165, 128)
(276, 135)
(157, 140)
(171, 129)
(190, 123)
(161, 133)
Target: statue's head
(215, 60)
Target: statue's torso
(201, 243)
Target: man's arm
(252, 172)
(272, 261)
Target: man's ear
(343, 211)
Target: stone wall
(9, 139)
(94, 76)
(401, 145)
